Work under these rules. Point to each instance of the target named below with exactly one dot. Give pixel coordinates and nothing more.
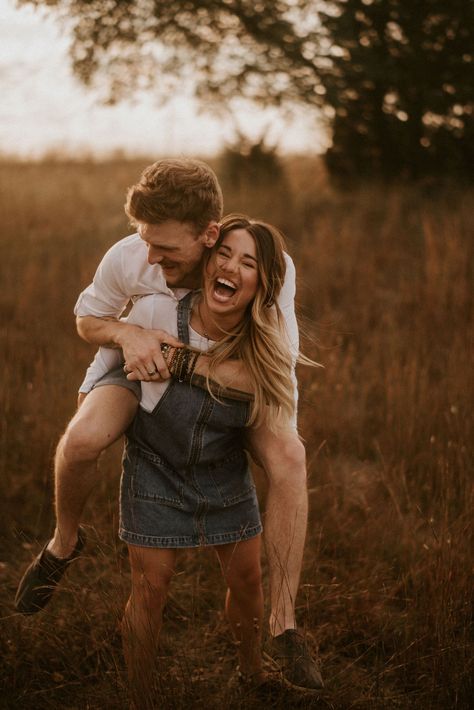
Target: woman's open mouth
(224, 289)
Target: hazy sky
(43, 107)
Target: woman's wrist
(181, 362)
(192, 366)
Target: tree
(222, 48)
(393, 76)
(401, 87)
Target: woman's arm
(234, 381)
(188, 365)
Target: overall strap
(184, 314)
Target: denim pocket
(232, 479)
(153, 479)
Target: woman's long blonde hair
(260, 340)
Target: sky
(45, 109)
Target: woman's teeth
(224, 289)
(226, 282)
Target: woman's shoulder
(152, 301)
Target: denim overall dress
(186, 480)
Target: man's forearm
(108, 332)
(232, 376)
(141, 346)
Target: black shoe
(42, 576)
(289, 653)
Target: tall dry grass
(385, 287)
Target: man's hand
(142, 354)
(141, 348)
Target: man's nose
(154, 257)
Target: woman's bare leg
(152, 570)
(240, 563)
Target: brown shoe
(42, 577)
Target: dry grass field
(386, 299)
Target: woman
(185, 479)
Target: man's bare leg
(283, 459)
(102, 417)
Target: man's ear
(211, 234)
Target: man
(176, 207)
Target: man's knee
(100, 420)
(81, 442)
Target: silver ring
(152, 373)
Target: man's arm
(134, 340)
(140, 346)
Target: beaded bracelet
(182, 365)
(192, 365)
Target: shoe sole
(289, 683)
